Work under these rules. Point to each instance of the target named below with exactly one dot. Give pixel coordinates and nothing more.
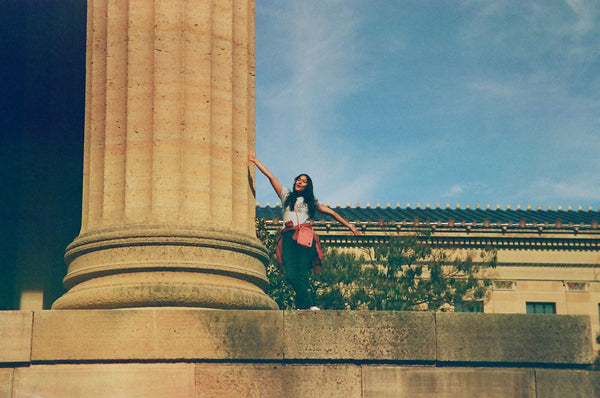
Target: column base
(150, 266)
(165, 289)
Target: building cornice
(463, 236)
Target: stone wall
(179, 352)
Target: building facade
(548, 259)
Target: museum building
(548, 259)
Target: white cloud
(318, 48)
(318, 55)
(454, 191)
(473, 189)
(587, 14)
(505, 93)
(496, 88)
(580, 188)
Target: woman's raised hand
(263, 169)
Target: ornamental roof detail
(450, 216)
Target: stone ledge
(573, 383)
(105, 380)
(157, 334)
(196, 335)
(15, 336)
(423, 382)
(188, 380)
(183, 352)
(276, 380)
(6, 382)
(514, 339)
(360, 335)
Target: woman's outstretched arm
(328, 210)
(274, 182)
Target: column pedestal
(150, 266)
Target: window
(541, 308)
(469, 306)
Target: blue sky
(459, 102)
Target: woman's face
(301, 183)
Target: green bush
(404, 273)
(278, 288)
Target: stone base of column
(151, 266)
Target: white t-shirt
(301, 208)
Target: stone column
(168, 202)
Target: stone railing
(168, 352)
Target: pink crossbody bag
(304, 235)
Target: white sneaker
(314, 308)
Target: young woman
(296, 254)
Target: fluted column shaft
(169, 123)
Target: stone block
(105, 380)
(6, 381)
(513, 338)
(560, 383)
(360, 335)
(15, 336)
(157, 334)
(421, 382)
(276, 380)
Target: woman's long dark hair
(307, 193)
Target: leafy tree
(402, 274)
(278, 288)
(340, 285)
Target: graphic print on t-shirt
(301, 206)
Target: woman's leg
(297, 262)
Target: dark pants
(297, 263)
